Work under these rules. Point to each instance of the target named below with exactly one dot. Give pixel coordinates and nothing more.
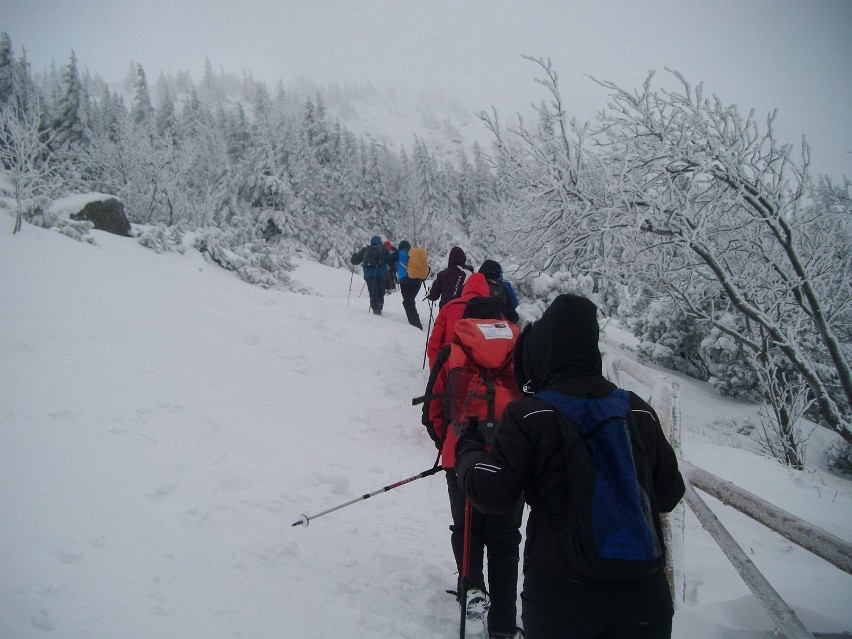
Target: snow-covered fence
(785, 619)
(812, 538)
(664, 397)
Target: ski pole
(351, 276)
(304, 520)
(465, 567)
(428, 330)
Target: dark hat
(562, 344)
(404, 245)
(482, 308)
(491, 269)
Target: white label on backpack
(500, 330)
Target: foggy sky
(764, 54)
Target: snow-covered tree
(16, 85)
(713, 189)
(558, 213)
(141, 111)
(165, 112)
(71, 113)
(26, 157)
(689, 203)
(7, 68)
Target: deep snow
(162, 425)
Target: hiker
(374, 260)
(561, 596)
(409, 284)
(448, 283)
(444, 329)
(391, 279)
(501, 290)
(482, 347)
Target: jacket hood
(476, 286)
(487, 342)
(457, 257)
(562, 344)
(376, 240)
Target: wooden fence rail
(812, 538)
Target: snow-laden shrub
(670, 338)
(730, 366)
(838, 458)
(540, 290)
(665, 336)
(75, 229)
(238, 250)
(162, 239)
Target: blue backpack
(610, 533)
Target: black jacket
(527, 457)
(560, 353)
(449, 283)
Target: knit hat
(491, 269)
(404, 245)
(482, 308)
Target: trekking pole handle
(304, 520)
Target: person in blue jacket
(500, 289)
(374, 261)
(408, 286)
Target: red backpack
(480, 378)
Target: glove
(472, 424)
(470, 440)
(471, 435)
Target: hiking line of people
(528, 417)
(385, 267)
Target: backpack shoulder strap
(440, 359)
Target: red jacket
(445, 324)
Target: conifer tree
(141, 111)
(70, 119)
(165, 120)
(7, 68)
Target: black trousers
(557, 607)
(409, 289)
(500, 535)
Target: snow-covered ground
(162, 425)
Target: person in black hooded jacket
(449, 283)
(560, 352)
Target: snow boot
(477, 604)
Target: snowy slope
(163, 424)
